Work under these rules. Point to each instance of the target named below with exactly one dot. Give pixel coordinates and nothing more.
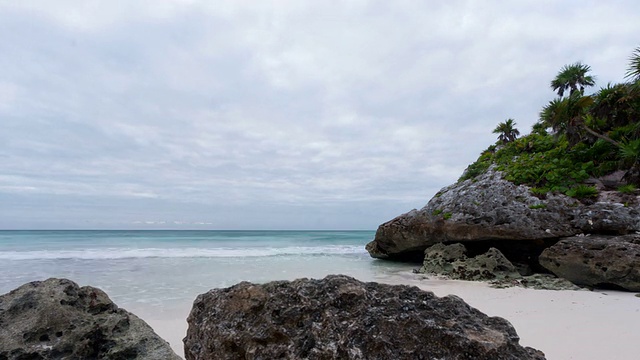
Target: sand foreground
(585, 325)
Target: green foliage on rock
(538, 206)
(627, 189)
(576, 138)
(582, 192)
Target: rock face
(341, 318)
(489, 208)
(57, 319)
(598, 261)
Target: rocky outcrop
(57, 319)
(597, 261)
(451, 261)
(489, 208)
(341, 318)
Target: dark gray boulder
(339, 317)
(597, 261)
(57, 319)
(489, 208)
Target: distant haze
(188, 114)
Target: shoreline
(564, 324)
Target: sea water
(161, 271)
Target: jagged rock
(57, 319)
(598, 261)
(452, 262)
(536, 281)
(341, 318)
(491, 208)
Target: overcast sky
(194, 114)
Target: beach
(565, 325)
(157, 276)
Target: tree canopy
(590, 135)
(506, 131)
(633, 71)
(572, 77)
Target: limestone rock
(341, 318)
(452, 262)
(536, 281)
(598, 261)
(57, 319)
(491, 208)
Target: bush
(582, 192)
(627, 189)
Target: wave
(133, 253)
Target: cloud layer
(276, 114)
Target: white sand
(565, 325)
(585, 325)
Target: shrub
(582, 192)
(627, 189)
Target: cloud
(280, 114)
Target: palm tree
(566, 116)
(630, 152)
(506, 131)
(633, 71)
(552, 115)
(572, 77)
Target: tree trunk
(600, 136)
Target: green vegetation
(576, 137)
(627, 189)
(582, 192)
(538, 206)
(445, 216)
(571, 77)
(506, 131)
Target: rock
(536, 281)
(489, 208)
(57, 319)
(452, 262)
(339, 317)
(597, 261)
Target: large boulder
(57, 319)
(597, 261)
(342, 318)
(489, 208)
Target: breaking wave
(192, 252)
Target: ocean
(158, 273)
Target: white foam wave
(131, 253)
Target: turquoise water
(162, 270)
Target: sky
(187, 114)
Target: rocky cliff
(488, 211)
